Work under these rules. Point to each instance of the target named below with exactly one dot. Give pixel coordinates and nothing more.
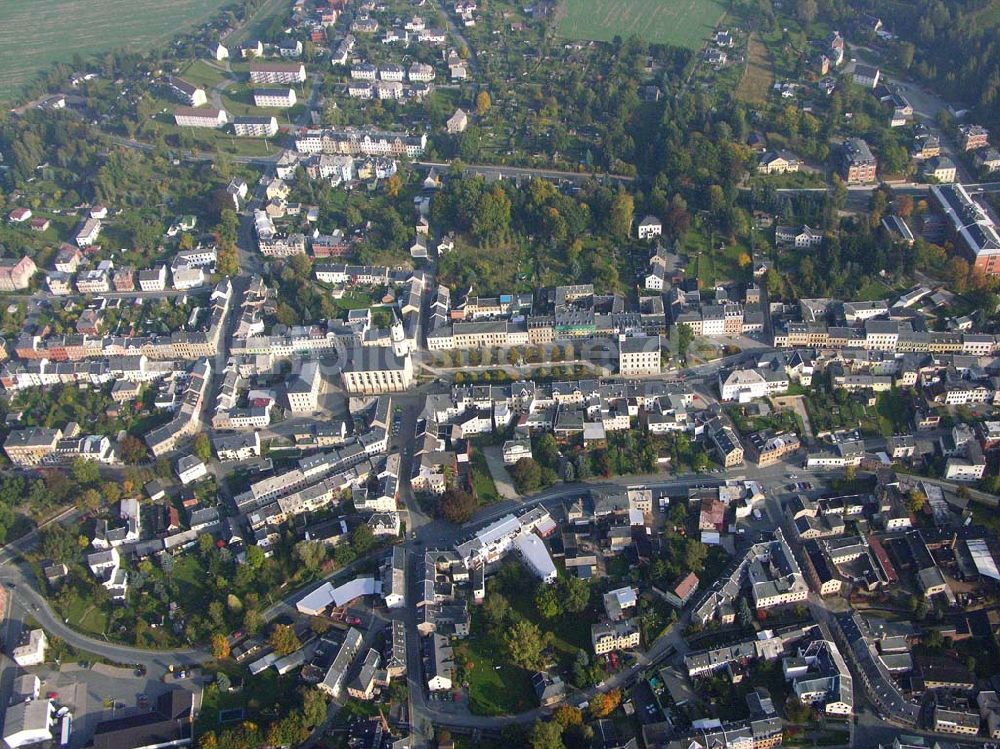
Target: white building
(282, 98)
(201, 117)
(303, 393)
(639, 356)
(650, 227)
(190, 469)
(32, 652)
(28, 723)
(256, 127)
(534, 554)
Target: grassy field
(758, 77)
(42, 32)
(682, 23)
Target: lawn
(681, 24)
(61, 28)
(201, 73)
(482, 481)
(492, 691)
(758, 77)
(85, 616)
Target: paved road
(496, 171)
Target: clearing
(62, 28)
(758, 77)
(681, 23)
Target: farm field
(41, 32)
(682, 23)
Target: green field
(682, 23)
(41, 32)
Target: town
(442, 373)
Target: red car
(52, 695)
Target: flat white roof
(533, 550)
(312, 604)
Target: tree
(220, 646)
(90, 501)
(132, 450)
(84, 471)
(362, 539)
(208, 741)
(915, 501)
(546, 736)
(202, 447)
(575, 594)
(483, 103)
(567, 715)
(805, 11)
(393, 185)
(456, 505)
(527, 475)
(547, 602)
(255, 557)
(312, 555)
(314, 706)
(523, 643)
(621, 215)
(602, 705)
(283, 640)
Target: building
(190, 469)
(27, 447)
(610, 636)
(236, 446)
(28, 723)
(801, 237)
(203, 117)
(169, 724)
(550, 690)
(255, 127)
(535, 556)
(971, 137)
(88, 232)
(352, 142)
(440, 668)
(514, 450)
(621, 603)
(457, 123)
(282, 98)
(189, 93)
(373, 370)
(778, 162)
(650, 227)
(154, 279)
(940, 168)
(362, 686)
(303, 393)
(639, 356)
(866, 76)
(955, 721)
(16, 274)
(277, 72)
(336, 673)
(727, 444)
(765, 449)
(857, 163)
(972, 225)
(31, 652)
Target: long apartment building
(352, 142)
(883, 335)
(972, 225)
(267, 71)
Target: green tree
(85, 472)
(524, 643)
(362, 539)
(621, 215)
(314, 706)
(546, 735)
(574, 593)
(547, 601)
(527, 475)
(132, 450)
(202, 447)
(283, 640)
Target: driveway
(505, 485)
